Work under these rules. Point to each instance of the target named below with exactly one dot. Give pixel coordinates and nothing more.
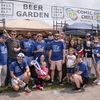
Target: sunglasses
(56, 35)
(20, 57)
(13, 34)
(95, 42)
(87, 36)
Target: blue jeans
(10, 60)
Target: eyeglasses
(13, 34)
(56, 35)
(95, 42)
(20, 57)
(87, 36)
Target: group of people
(17, 52)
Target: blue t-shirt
(38, 46)
(57, 50)
(89, 53)
(83, 68)
(48, 42)
(96, 50)
(27, 44)
(3, 54)
(35, 74)
(15, 68)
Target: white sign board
(13, 10)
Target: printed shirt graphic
(3, 54)
(70, 60)
(38, 46)
(96, 50)
(57, 50)
(27, 44)
(15, 68)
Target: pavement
(91, 92)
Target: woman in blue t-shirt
(96, 59)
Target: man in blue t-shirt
(3, 59)
(48, 41)
(56, 57)
(20, 77)
(26, 47)
(40, 47)
(82, 75)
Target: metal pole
(56, 26)
(3, 25)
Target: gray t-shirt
(11, 44)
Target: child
(70, 63)
(79, 47)
(42, 78)
(88, 55)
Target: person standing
(34, 37)
(3, 59)
(56, 57)
(40, 47)
(13, 47)
(26, 48)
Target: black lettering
(30, 7)
(46, 15)
(24, 14)
(35, 7)
(35, 14)
(25, 6)
(30, 14)
(40, 7)
(41, 14)
(19, 13)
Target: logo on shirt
(27, 44)
(56, 48)
(3, 50)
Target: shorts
(98, 62)
(71, 70)
(88, 62)
(14, 82)
(81, 53)
(56, 63)
(85, 80)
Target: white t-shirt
(70, 60)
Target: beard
(28, 37)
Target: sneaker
(82, 85)
(9, 85)
(33, 87)
(60, 83)
(41, 88)
(27, 89)
(65, 78)
(98, 83)
(50, 83)
(77, 89)
(95, 81)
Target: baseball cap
(34, 34)
(39, 34)
(21, 55)
(50, 33)
(87, 34)
(4, 36)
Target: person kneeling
(41, 78)
(20, 78)
(82, 76)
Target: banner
(13, 10)
(80, 15)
